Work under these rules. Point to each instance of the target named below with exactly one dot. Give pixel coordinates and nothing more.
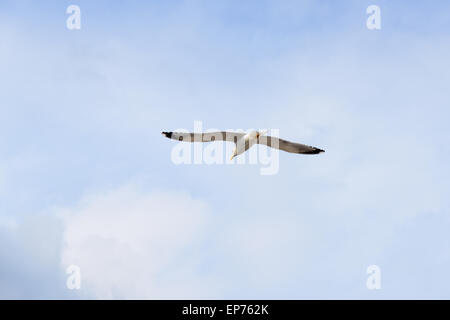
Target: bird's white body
(246, 142)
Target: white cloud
(134, 244)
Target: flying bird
(243, 141)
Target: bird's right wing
(288, 146)
(205, 137)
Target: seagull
(244, 141)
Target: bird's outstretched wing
(204, 137)
(287, 145)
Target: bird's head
(260, 133)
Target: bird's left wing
(288, 146)
(204, 137)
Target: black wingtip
(315, 151)
(167, 134)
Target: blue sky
(87, 179)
